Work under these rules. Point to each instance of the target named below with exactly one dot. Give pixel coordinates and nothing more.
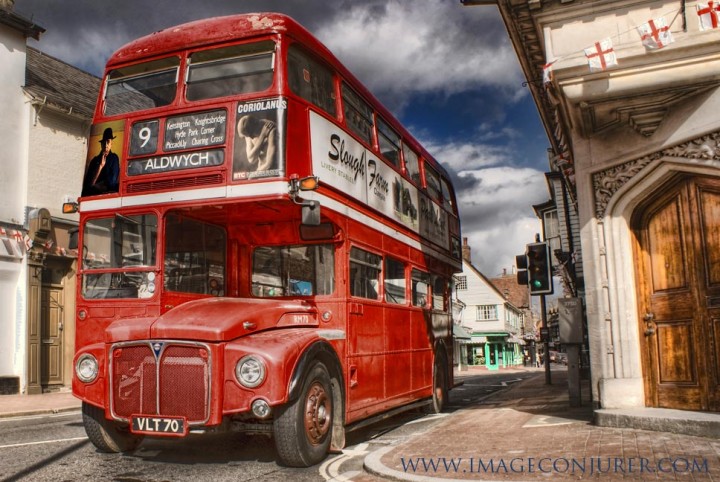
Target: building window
(461, 283)
(487, 312)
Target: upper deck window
(311, 80)
(412, 164)
(447, 198)
(432, 180)
(239, 69)
(358, 114)
(141, 86)
(389, 143)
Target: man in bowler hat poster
(103, 171)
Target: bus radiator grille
(180, 384)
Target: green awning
(460, 333)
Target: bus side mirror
(311, 213)
(73, 241)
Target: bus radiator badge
(157, 348)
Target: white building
(47, 111)
(15, 141)
(494, 323)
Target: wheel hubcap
(317, 413)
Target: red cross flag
(601, 55)
(547, 72)
(655, 34)
(708, 15)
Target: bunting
(601, 55)
(547, 72)
(655, 34)
(708, 16)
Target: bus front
(204, 302)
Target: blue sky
(446, 71)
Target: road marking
(43, 442)
(34, 417)
(330, 470)
(427, 418)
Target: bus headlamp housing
(250, 371)
(86, 368)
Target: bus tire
(303, 429)
(105, 435)
(439, 386)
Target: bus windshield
(113, 250)
(141, 86)
(238, 69)
(301, 270)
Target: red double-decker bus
(263, 247)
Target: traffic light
(521, 264)
(539, 271)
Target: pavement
(526, 432)
(529, 432)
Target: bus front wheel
(105, 435)
(303, 429)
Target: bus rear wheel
(105, 435)
(439, 387)
(303, 430)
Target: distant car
(561, 358)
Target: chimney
(466, 251)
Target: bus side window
(439, 293)
(194, 256)
(311, 80)
(420, 288)
(389, 143)
(365, 270)
(394, 281)
(358, 114)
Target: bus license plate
(173, 426)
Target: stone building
(628, 92)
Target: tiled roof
(516, 294)
(60, 85)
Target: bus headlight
(86, 368)
(250, 371)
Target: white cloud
(466, 156)
(496, 214)
(434, 46)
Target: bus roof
(232, 27)
(205, 32)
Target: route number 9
(145, 135)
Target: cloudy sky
(446, 71)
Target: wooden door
(678, 268)
(51, 329)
